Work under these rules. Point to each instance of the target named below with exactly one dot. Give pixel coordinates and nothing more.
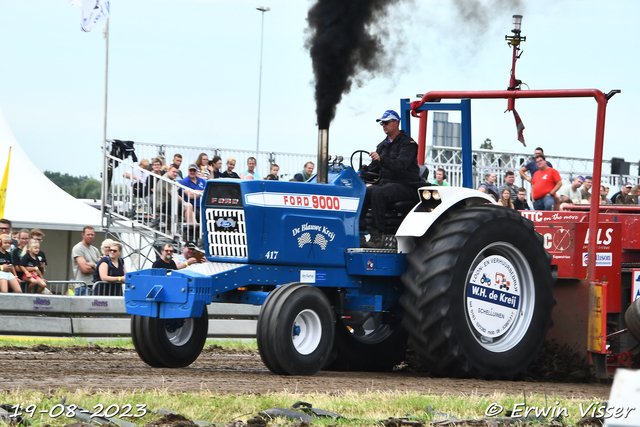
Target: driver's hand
(375, 156)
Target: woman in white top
(205, 170)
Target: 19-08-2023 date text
(70, 411)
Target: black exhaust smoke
(349, 43)
(345, 40)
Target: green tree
(91, 189)
(486, 145)
(80, 187)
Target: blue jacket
(199, 185)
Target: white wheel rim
(306, 332)
(179, 336)
(483, 316)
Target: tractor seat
(398, 210)
(423, 173)
(404, 206)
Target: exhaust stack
(323, 156)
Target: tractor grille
(227, 233)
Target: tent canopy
(32, 199)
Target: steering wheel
(363, 165)
(360, 158)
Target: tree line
(80, 187)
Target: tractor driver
(395, 160)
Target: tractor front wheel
(172, 343)
(295, 330)
(137, 336)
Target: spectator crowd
(95, 271)
(23, 264)
(156, 194)
(21, 259)
(548, 192)
(205, 169)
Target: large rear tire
(632, 319)
(478, 294)
(366, 343)
(295, 330)
(174, 343)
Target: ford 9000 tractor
(470, 286)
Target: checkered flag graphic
(321, 241)
(304, 239)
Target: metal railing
(160, 210)
(54, 287)
(289, 163)
(155, 203)
(164, 210)
(76, 288)
(450, 159)
(61, 287)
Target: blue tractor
(326, 303)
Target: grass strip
(359, 409)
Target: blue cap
(388, 115)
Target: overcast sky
(185, 72)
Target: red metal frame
(598, 297)
(511, 96)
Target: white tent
(32, 199)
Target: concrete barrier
(55, 315)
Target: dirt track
(49, 368)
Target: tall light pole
(262, 9)
(105, 168)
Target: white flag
(93, 12)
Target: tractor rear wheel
(174, 343)
(478, 294)
(632, 319)
(365, 343)
(295, 330)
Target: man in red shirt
(546, 182)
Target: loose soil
(47, 368)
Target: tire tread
(429, 280)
